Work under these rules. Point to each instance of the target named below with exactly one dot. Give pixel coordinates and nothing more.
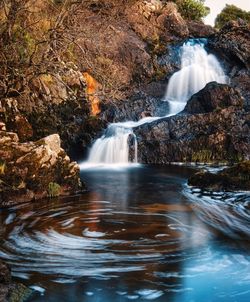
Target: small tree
(231, 12)
(192, 9)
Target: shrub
(192, 9)
(231, 12)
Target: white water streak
(197, 69)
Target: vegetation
(231, 12)
(2, 167)
(33, 41)
(54, 189)
(192, 9)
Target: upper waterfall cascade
(197, 69)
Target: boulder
(30, 170)
(213, 97)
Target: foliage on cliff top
(229, 13)
(192, 9)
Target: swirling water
(139, 234)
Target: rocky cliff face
(31, 170)
(232, 45)
(212, 128)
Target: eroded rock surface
(215, 132)
(34, 170)
(232, 44)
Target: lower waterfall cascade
(197, 69)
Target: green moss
(54, 189)
(203, 156)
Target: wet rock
(30, 168)
(10, 291)
(213, 97)
(216, 131)
(5, 276)
(134, 108)
(233, 178)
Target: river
(139, 234)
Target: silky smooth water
(139, 234)
(197, 69)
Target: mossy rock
(233, 178)
(19, 293)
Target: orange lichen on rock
(92, 88)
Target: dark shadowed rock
(135, 108)
(213, 97)
(233, 178)
(214, 135)
(232, 45)
(10, 291)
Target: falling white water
(197, 69)
(113, 147)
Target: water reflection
(135, 237)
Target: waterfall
(113, 146)
(197, 69)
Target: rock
(164, 24)
(10, 291)
(198, 29)
(136, 107)
(5, 276)
(233, 178)
(212, 134)
(213, 97)
(13, 120)
(232, 45)
(31, 167)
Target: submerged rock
(233, 178)
(29, 169)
